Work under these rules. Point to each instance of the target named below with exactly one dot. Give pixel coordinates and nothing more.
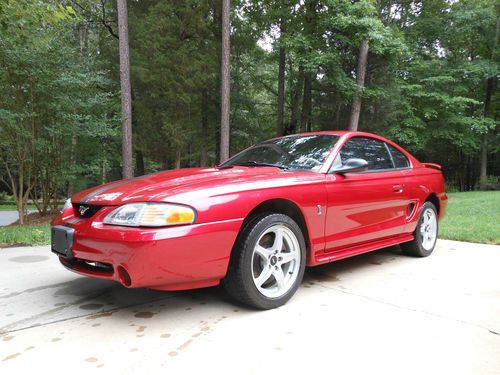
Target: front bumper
(173, 258)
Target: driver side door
(366, 206)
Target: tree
(280, 120)
(490, 87)
(360, 81)
(128, 171)
(174, 92)
(432, 79)
(225, 82)
(50, 92)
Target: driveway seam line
(410, 309)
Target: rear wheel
(426, 233)
(268, 261)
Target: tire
(425, 234)
(262, 274)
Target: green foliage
(442, 88)
(173, 52)
(490, 183)
(425, 85)
(6, 198)
(56, 101)
(32, 235)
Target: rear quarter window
(400, 160)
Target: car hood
(187, 185)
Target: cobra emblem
(83, 209)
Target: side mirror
(352, 165)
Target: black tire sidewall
(253, 233)
(418, 235)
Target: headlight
(150, 215)
(67, 205)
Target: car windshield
(294, 152)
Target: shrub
(490, 183)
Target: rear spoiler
(432, 165)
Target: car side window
(400, 160)
(372, 150)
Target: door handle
(398, 188)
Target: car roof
(332, 132)
(339, 133)
(349, 134)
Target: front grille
(86, 210)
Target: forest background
(423, 73)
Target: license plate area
(62, 240)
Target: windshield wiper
(258, 164)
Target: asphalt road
(379, 313)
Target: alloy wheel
(276, 261)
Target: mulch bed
(36, 218)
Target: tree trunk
(177, 157)
(280, 125)
(83, 33)
(125, 89)
(216, 10)
(103, 172)
(306, 121)
(297, 95)
(21, 204)
(338, 113)
(225, 82)
(139, 163)
(360, 80)
(204, 128)
(486, 113)
(166, 160)
(310, 31)
(483, 170)
(72, 160)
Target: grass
(473, 217)
(25, 235)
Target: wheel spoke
(432, 220)
(278, 240)
(286, 257)
(264, 275)
(263, 252)
(426, 218)
(279, 276)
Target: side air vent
(410, 209)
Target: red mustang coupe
(256, 221)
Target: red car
(256, 221)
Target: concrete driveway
(379, 313)
(8, 217)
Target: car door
(365, 206)
(412, 185)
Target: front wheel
(426, 233)
(268, 262)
